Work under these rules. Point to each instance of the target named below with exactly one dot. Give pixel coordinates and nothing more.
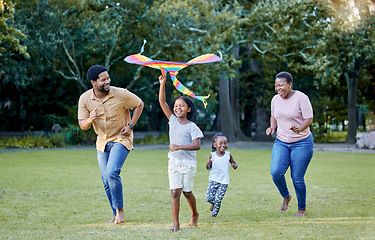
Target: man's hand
(85, 124)
(126, 131)
(93, 114)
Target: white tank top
(220, 168)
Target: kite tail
(203, 99)
(143, 46)
(181, 88)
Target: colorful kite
(172, 68)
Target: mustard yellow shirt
(113, 115)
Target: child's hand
(209, 165)
(162, 79)
(174, 147)
(234, 165)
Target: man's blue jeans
(110, 164)
(297, 155)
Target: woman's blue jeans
(297, 155)
(110, 164)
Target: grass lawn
(58, 194)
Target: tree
(13, 55)
(347, 51)
(64, 39)
(191, 28)
(280, 35)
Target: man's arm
(136, 114)
(85, 124)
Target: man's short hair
(94, 71)
(286, 75)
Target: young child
(184, 137)
(218, 163)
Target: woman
(292, 114)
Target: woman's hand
(295, 129)
(270, 131)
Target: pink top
(291, 112)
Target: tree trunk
(227, 122)
(248, 121)
(262, 122)
(352, 82)
(216, 125)
(235, 101)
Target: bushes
(69, 137)
(149, 139)
(33, 142)
(331, 137)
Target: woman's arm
(305, 124)
(272, 128)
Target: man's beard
(103, 90)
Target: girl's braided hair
(214, 139)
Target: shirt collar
(109, 95)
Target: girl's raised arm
(162, 99)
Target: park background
(47, 46)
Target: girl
(218, 163)
(184, 137)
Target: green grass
(58, 194)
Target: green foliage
(13, 53)
(53, 141)
(76, 136)
(314, 40)
(36, 185)
(149, 139)
(9, 35)
(331, 137)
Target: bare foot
(111, 220)
(120, 218)
(301, 213)
(212, 207)
(212, 216)
(194, 219)
(284, 207)
(175, 227)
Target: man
(107, 109)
